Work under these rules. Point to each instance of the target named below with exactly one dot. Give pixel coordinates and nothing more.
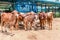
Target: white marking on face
(22, 13)
(17, 15)
(49, 13)
(36, 16)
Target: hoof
(12, 34)
(5, 30)
(25, 29)
(43, 27)
(2, 31)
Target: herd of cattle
(12, 20)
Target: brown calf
(42, 18)
(50, 19)
(8, 19)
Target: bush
(57, 14)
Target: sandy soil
(53, 34)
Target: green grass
(57, 14)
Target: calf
(16, 14)
(42, 18)
(7, 18)
(50, 19)
(29, 18)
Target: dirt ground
(53, 34)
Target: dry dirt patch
(53, 34)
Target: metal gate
(25, 7)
